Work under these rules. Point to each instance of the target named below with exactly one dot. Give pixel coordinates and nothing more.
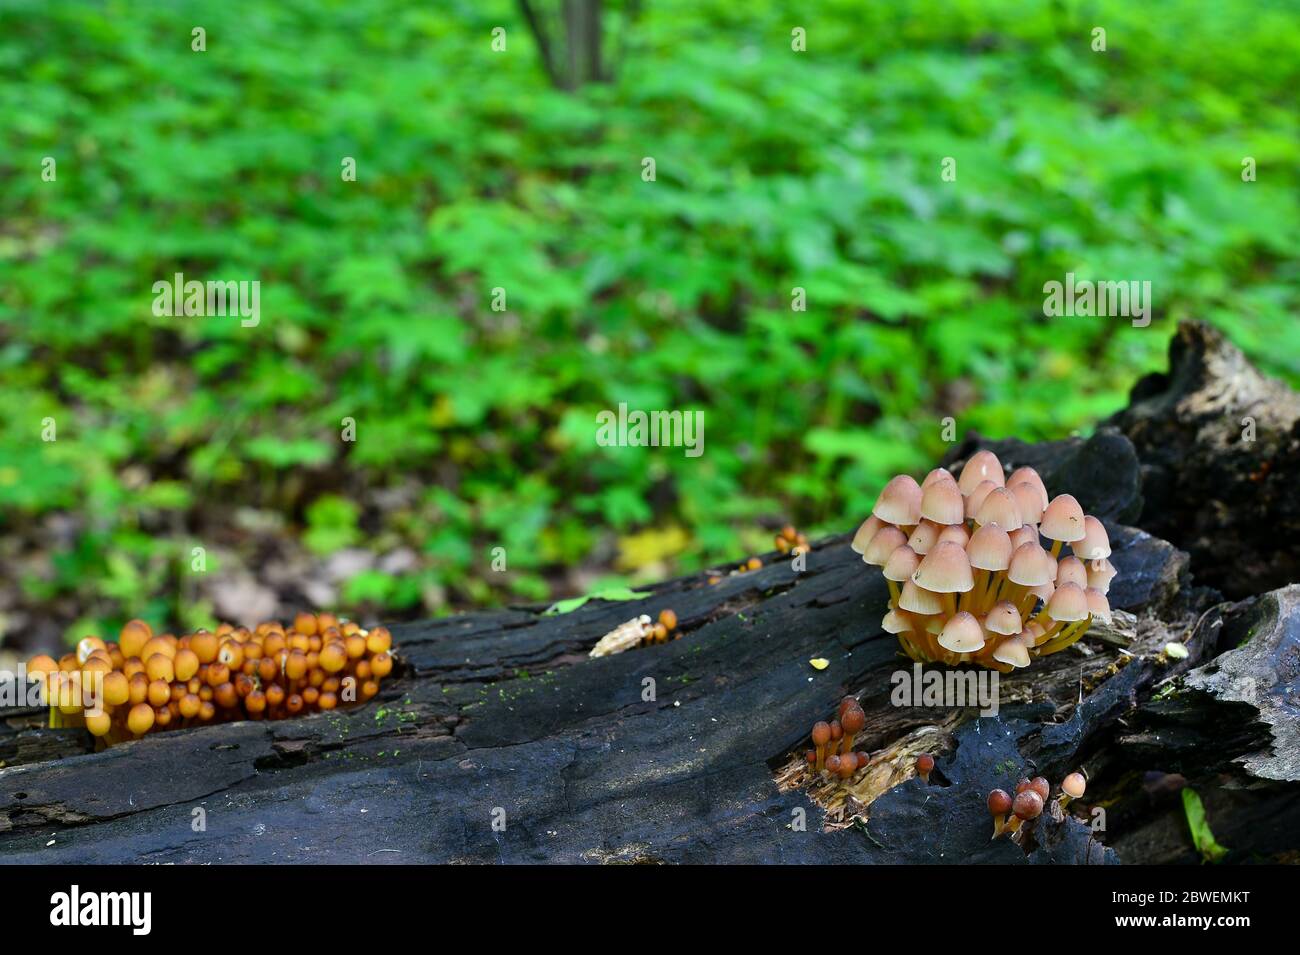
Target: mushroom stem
(893, 592)
(909, 640)
(971, 599)
(1026, 604)
(1056, 548)
(1068, 635)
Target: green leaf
(609, 593)
(1209, 849)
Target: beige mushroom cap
(962, 634)
(938, 474)
(1031, 566)
(1068, 604)
(1100, 574)
(942, 503)
(900, 501)
(918, 600)
(1095, 544)
(976, 497)
(895, 622)
(866, 530)
(1098, 605)
(902, 564)
(1029, 476)
(945, 570)
(1071, 570)
(989, 548)
(956, 533)
(924, 536)
(1024, 535)
(982, 466)
(887, 540)
(1074, 785)
(1062, 520)
(1000, 508)
(1014, 652)
(1028, 501)
(1003, 619)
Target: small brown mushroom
(924, 766)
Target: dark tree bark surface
(502, 717)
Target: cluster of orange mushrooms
(146, 683)
(1028, 803)
(970, 580)
(832, 752)
(790, 541)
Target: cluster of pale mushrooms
(970, 579)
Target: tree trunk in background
(579, 59)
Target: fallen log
(499, 740)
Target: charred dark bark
(501, 717)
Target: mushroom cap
(916, 599)
(1100, 574)
(1029, 501)
(938, 474)
(1098, 605)
(1095, 543)
(1029, 476)
(1062, 520)
(942, 503)
(989, 548)
(924, 536)
(902, 564)
(1043, 592)
(821, 733)
(1070, 570)
(900, 501)
(1003, 619)
(1068, 604)
(1034, 633)
(895, 622)
(945, 570)
(982, 466)
(866, 530)
(999, 802)
(976, 497)
(956, 533)
(1028, 805)
(887, 540)
(1040, 785)
(962, 634)
(1013, 652)
(1023, 535)
(1031, 566)
(925, 763)
(853, 720)
(1000, 508)
(1074, 785)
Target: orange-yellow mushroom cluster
(790, 541)
(970, 579)
(662, 630)
(1029, 801)
(145, 683)
(832, 752)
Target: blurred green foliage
(775, 169)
